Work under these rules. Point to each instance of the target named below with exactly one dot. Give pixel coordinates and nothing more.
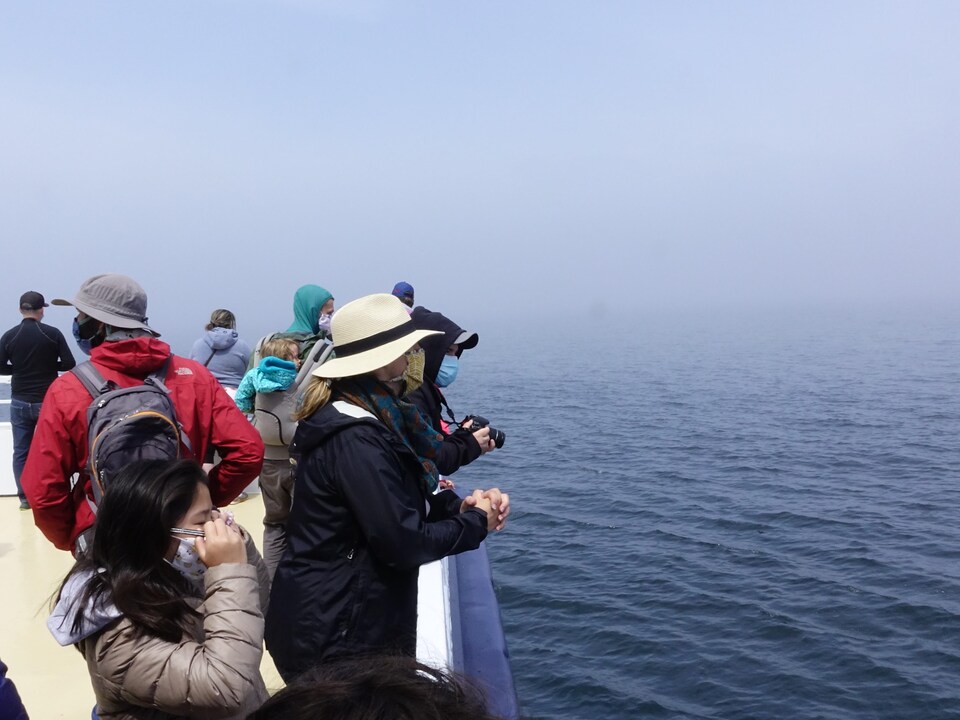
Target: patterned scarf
(403, 418)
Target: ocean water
(741, 515)
(748, 515)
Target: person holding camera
(463, 442)
(367, 514)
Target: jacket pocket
(356, 566)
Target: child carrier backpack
(273, 412)
(127, 424)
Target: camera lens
(498, 437)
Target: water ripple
(742, 520)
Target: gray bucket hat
(113, 299)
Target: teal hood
(307, 302)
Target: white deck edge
(7, 484)
(434, 622)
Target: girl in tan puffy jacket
(167, 608)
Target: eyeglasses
(227, 520)
(187, 531)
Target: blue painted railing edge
(483, 646)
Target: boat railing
(7, 484)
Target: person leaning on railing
(367, 514)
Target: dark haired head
(375, 688)
(131, 539)
(143, 502)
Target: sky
(511, 160)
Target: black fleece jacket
(33, 352)
(360, 528)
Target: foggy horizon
(511, 161)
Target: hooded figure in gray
(221, 350)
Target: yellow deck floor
(53, 680)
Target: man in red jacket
(112, 321)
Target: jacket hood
(94, 616)
(327, 422)
(220, 338)
(274, 363)
(435, 346)
(307, 302)
(274, 374)
(138, 356)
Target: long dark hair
(374, 687)
(131, 538)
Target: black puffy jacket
(361, 525)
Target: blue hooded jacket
(224, 353)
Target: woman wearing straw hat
(366, 515)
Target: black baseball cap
(32, 300)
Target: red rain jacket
(59, 448)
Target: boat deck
(53, 680)
(458, 625)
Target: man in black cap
(33, 353)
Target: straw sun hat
(368, 333)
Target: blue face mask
(448, 370)
(85, 345)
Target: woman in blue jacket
(222, 351)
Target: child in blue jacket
(276, 371)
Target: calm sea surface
(728, 516)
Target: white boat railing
(434, 622)
(7, 484)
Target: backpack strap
(319, 354)
(91, 379)
(96, 385)
(156, 378)
(324, 353)
(257, 354)
(207, 362)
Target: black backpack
(128, 424)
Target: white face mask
(324, 322)
(187, 562)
